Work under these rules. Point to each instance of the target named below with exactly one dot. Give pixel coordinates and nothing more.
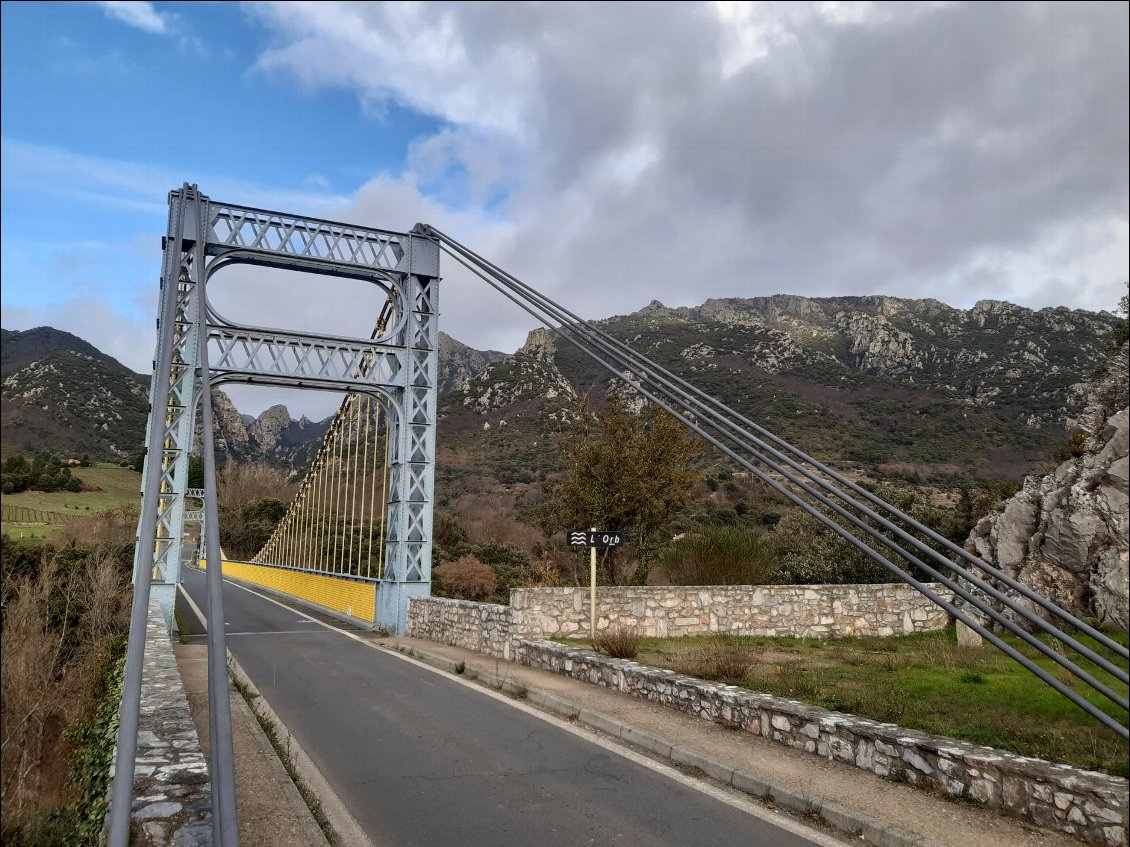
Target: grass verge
(925, 681)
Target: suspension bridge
(356, 539)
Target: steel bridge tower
(196, 347)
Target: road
(421, 758)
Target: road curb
(836, 816)
(346, 829)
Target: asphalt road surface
(420, 758)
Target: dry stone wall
(802, 611)
(1092, 806)
(482, 627)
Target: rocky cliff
(459, 364)
(1065, 534)
(531, 373)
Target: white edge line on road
(738, 802)
(349, 833)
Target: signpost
(593, 539)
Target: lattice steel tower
(196, 347)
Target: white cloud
(685, 151)
(122, 184)
(140, 15)
(128, 340)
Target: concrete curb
(345, 827)
(838, 817)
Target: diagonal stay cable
(1040, 646)
(957, 588)
(976, 581)
(1039, 672)
(642, 363)
(578, 325)
(709, 406)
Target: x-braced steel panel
(408, 550)
(196, 350)
(276, 236)
(401, 367)
(305, 359)
(178, 337)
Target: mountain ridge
(871, 380)
(60, 393)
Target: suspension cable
(689, 393)
(637, 362)
(673, 396)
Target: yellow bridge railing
(348, 595)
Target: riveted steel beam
(197, 347)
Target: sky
(606, 154)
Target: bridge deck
(421, 758)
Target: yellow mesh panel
(348, 596)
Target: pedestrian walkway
(271, 811)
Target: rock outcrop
(459, 364)
(267, 430)
(530, 374)
(1065, 534)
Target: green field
(925, 682)
(118, 487)
(31, 532)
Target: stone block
(841, 749)
(916, 761)
(981, 790)
(967, 637)
(1014, 794)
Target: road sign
(579, 538)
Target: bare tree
(239, 484)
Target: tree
(627, 473)
(467, 578)
(43, 473)
(195, 471)
(241, 483)
(244, 530)
(1122, 332)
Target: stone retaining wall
(801, 611)
(482, 627)
(171, 789)
(1092, 806)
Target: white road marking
(738, 802)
